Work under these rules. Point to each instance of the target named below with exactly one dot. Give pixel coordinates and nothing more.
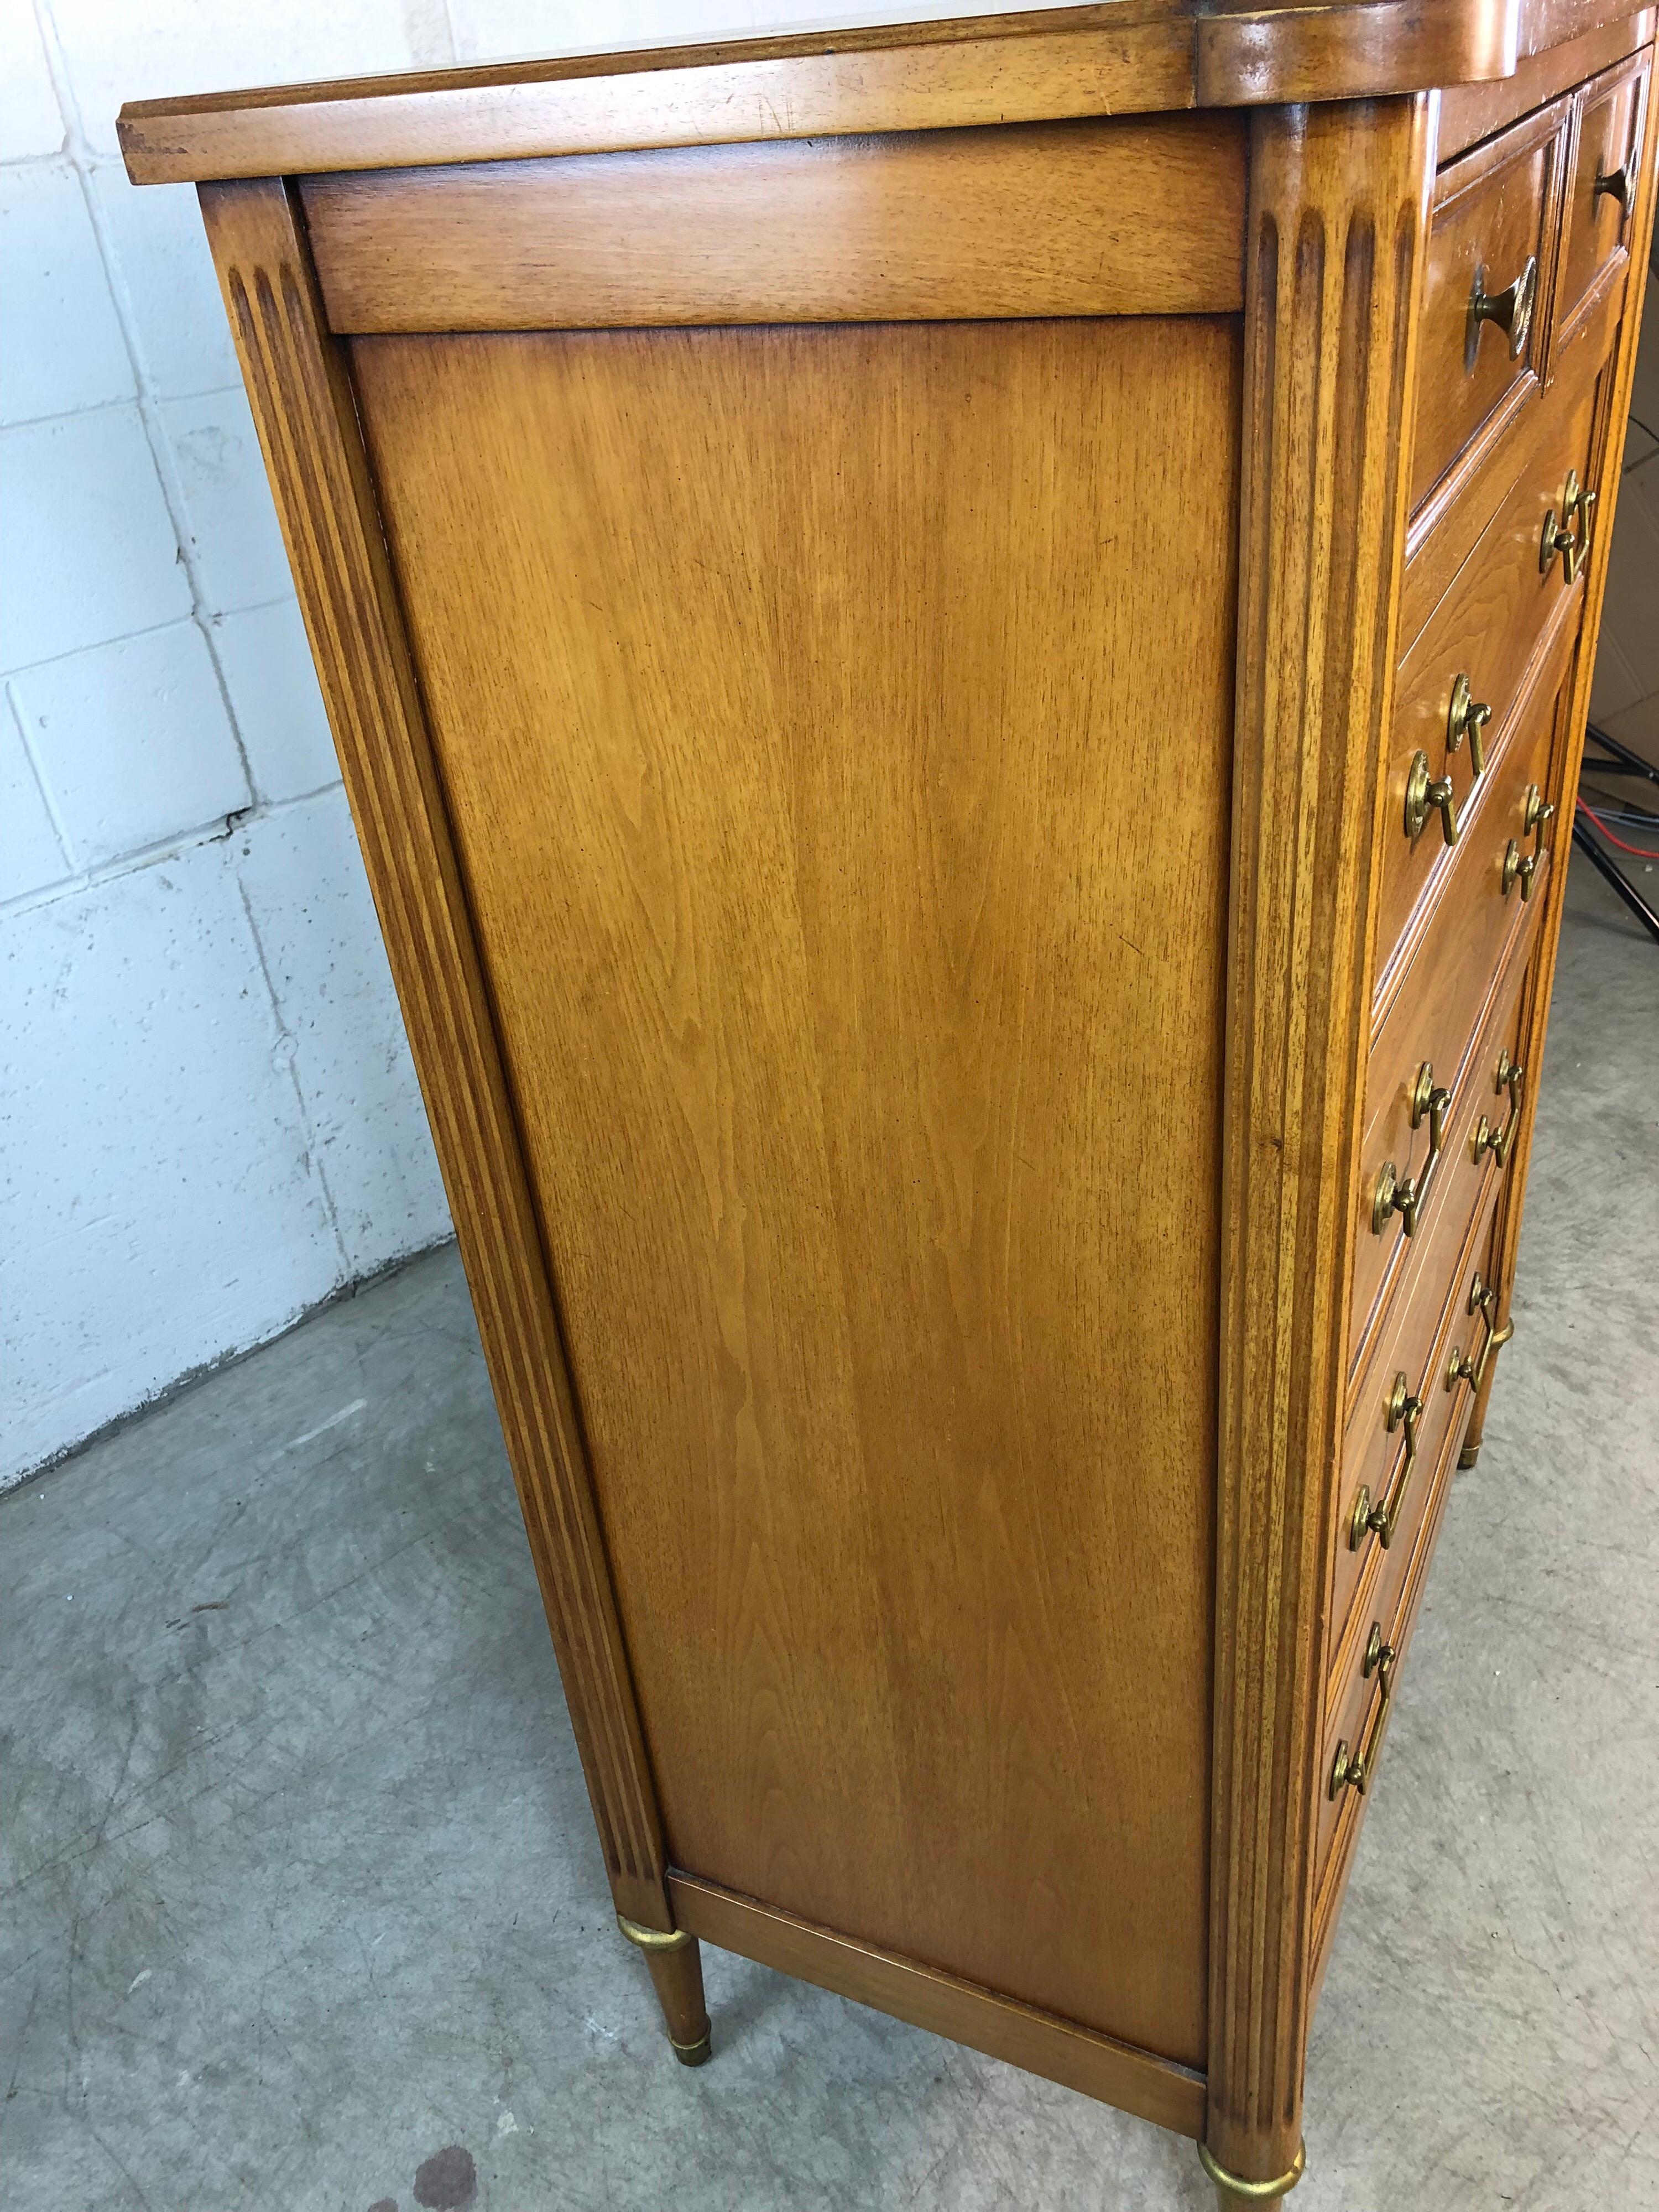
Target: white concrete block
(172, 295)
(159, 1208)
(118, 52)
(227, 505)
(505, 30)
(133, 741)
(274, 698)
(310, 901)
(30, 122)
(88, 552)
(31, 857)
(61, 345)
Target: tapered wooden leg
(676, 1964)
(1233, 2193)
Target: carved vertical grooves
(307, 426)
(1338, 208)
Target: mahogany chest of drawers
(960, 655)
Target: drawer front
(1362, 1682)
(1428, 1036)
(1384, 1454)
(1485, 293)
(1459, 683)
(1596, 222)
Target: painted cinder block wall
(209, 1121)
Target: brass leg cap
(1253, 2192)
(1468, 1455)
(692, 2054)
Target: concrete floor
(300, 1886)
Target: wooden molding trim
(1129, 56)
(1339, 220)
(1132, 215)
(303, 408)
(1080, 2058)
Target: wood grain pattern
(1127, 217)
(1061, 2050)
(1610, 123)
(1126, 57)
(1469, 113)
(304, 410)
(802, 804)
(1338, 229)
(1494, 211)
(1248, 55)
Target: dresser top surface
(1125, 56)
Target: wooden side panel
(836, 723)
(1173, 2096)
(303, 407)
(1339, 214)
(1125, 216)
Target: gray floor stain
(447, 2180)
(294, 1889)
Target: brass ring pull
(1353, 1771)
(1483, 1300)
(1571, 544)
(1467, 716)
(1404, 1409)
(1424, 794)
(1510, 1076)
(1619, 185)
(1510, 309)
(1391, 1195)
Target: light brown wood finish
(1338, 232)
(1134, 2081)
(1134, 216)
(1605, 481)
(1607, 141)
(1495, 210)
(1126, 56)
(1469, 113)
(804, 827)
(304, 411)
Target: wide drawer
(1459, 683)
(1485, 303)
(1362, 1685)
(1416, 1074)
(1602, 195)
(1396, 1420)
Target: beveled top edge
(1118, 56)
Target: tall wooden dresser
(960, 655)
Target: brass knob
(1467, 716)
(1424, 794)
(1510, 309)
(1509, 1076)
(1391, 1195)
(1618, 185)
(1518, 870)
(1535, 811)
(1379, 1656)
(1404, 1409)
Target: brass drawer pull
(1571, 544)
(1404, 1409)
(1510, 309)
(1467, 716)
(1424, 794)
(1391, 1195)
(1535, 812)
(1483, 1300)
(1510, 1076)
(1619, 185)
(1354, 1772)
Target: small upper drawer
(1485, 293)
(1602, 195)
